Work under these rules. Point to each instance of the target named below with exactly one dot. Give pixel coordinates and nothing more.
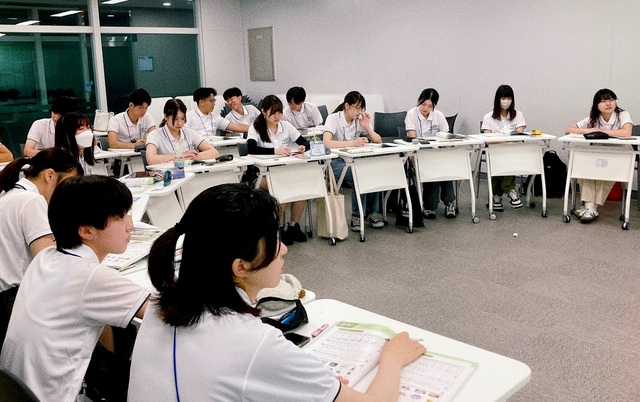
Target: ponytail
(58, 159)
(353, 98)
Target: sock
(590, 206)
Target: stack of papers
(135, 252)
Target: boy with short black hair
(300, 113)
(130, 128)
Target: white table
(445, 161)
(296, 178)
(496, 378)
(128, 157)
(512, 155)
(382, 169)
(226, 145)
(207, 175)
(165, 206)
(609, 163)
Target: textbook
(135, 252)
(352, 351)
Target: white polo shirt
(337, 125)
(250, 114)
(23, 217)
(616, 121)
(426, 126)
(43, 132)
(205, 124)
(286, 133)
(127, 131)
(63, 303)
(504, 124)
(308, 116)
(233, 357)
(168, 145)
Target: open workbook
(352, 351)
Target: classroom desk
(165, 206)
(207, 176)
(613, 163)
(104, 161)
(130, 158)
(513, 155)
(294, 178)
(226, 145)
(445, 161)
(496, 378)
(382, 169)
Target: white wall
(223, 42)
(555, 55)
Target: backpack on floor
(555, 174)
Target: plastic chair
(13, 389)
(243, 150)
(451, 121)
(386, 124)
(323, 112)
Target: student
(203, 337)
(203, 121)
(243, 114)
(42, 132)
(605, 116)
(73, 132)
(5, 154)
(300, 113)
(173, 140)
(129, 129)
(425, 121)
(349, 126)
(67, 296)
(23, 216)
(504, 119)
(269, 135)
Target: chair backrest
(13, 389)
(451, 121)
(156, 109)
(143, 155)
(101, 120)
(635, 130)
(386, 124)
(187, 100)
(104, 142)
(243, 150)
(323, 112)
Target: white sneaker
(579, 212)
(514, 199)
(497, 203)
(589, 216)
(450, 210)
(375, 220)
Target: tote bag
(336, 206)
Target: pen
(319, 330)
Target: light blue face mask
(84, 139)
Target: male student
(243, 114)
(300, 113)
(43, 132)
(202, 119)
(130, 128)
(67, 295)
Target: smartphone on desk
(297, 339)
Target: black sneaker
(296, 234)
(285, 237)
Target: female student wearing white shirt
(23, 217)
(203, 339)
(269, 135)
(504, 119)
(67, 295)
(349, 126)
(73, 132)
(172, 140)
(605, 116)
(425, 121)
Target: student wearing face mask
(605, 116)
(424, 121)
(350, 126)
(504, 119)
(73, 132)
(173, 140)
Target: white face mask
(505, 104)
(85, 139)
